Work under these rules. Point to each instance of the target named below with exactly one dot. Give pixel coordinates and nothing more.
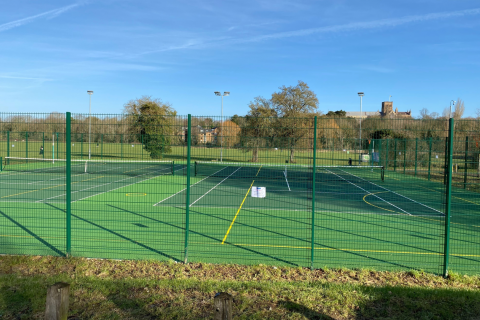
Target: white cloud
(48, 15)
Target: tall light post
(360, 94)
(89, 123)
(452, 103)
(225, 94)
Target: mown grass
(106, 289)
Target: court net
(114, 167)
(288, 172)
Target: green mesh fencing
(302, 191)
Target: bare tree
(424, 114)
(459, 109)
(478, 113)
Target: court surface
(359, 220)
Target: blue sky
(422, 52)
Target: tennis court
(136, 210)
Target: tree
(339, 113)
(153, 121)
(257, 126)
(229, 134)
(459, 109)
(424, 114)
(294, 105)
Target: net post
(383, 173)
(416, 155)
(101, 146)
(404, 154)
(43, 144)
(195, 167)
(8, 145)
(121, 146)
(448, 199)
(429, 158)
(173, 167)
(187, 200)
(68, 182)
(1, 164)
(312, 245)
(395, 157)
(466, 164)
(141, 137)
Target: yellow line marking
(375, 205)
(478, 204)
(59, 185)
(240, 208)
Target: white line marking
(285, 174)
(397, 194)
(214, 187)
(369, 192)
(190, 186)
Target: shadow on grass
(94, 298)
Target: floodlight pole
(452, 102)
(89, 123)
(226, 93)
(360, 94)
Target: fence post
(81, 146)
(8, 147)
(416, 155)
(429, 158)
(223, 303)
(445, 163)
(121, 146)
(404, 154)
(386, 154)
(26, 146)
(142, 145)
(466, 164)
(57, 301)
(312, 249)
(68, 181)
(449, 198)
(101, 146)
(395, 157)
(187, 201)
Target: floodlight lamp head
(90, 92)
(217, 93)
(226, 93)
(360, 94)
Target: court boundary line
(214, 187)
(190, 186)
(396, 193)
(43, 200)
(369, 192)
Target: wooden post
(223, 306)
(57, 301)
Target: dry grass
(107, 289)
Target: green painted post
(81, 146)
(58, 146)
(312, 246)
(68, 151)
(187, 201)
(404, 154)
(26, 146)
(142, 145)
(416, 155)
(445, 163)
(449, 199)
(386, 155)
(101, 147)
(43, 144)
(429, 158)
(173, 168)
(121, 146)
(333, 147)
(8, 147)
(466, 164)
(395, 157)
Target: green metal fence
(281, 191)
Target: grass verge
(107, 289)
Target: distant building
(387, 111)
(363, 115)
